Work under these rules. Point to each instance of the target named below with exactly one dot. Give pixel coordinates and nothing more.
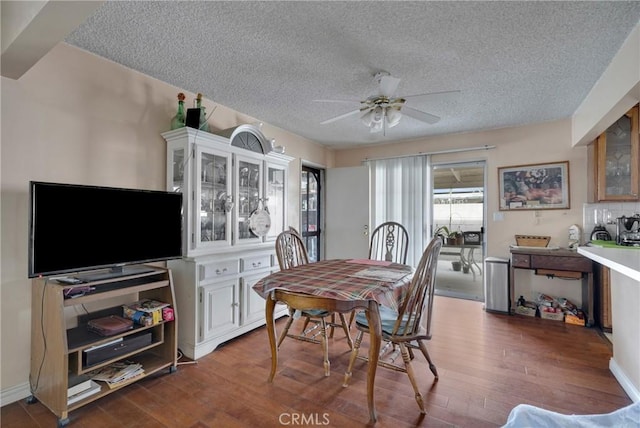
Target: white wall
(617, 90)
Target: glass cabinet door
(213, 197)
(249, 183)
(275, 199)
(619, 158)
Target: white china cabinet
(234, 206)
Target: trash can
(496, 285)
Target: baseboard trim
(624, 381)
(14, 393)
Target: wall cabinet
(61, 344)
(614, 160)
(225, 179)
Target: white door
(347, 212)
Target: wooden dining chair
(389, 242)
(408, 327)
(291, 252)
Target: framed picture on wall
(534, 187)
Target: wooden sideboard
(559, 263)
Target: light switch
(498, 216)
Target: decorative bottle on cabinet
(178, 120)
(203, 116)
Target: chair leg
(432, 366)
(285, 331)
(352, 359)
(325, 346)
(412, 378)
(332, 324)
(304, 326)
(346, 331)
(352, 317)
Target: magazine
(148, 305)
(118, 373)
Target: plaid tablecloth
(342, 280)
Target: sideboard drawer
(576, 264)
(218, 269)
(521, 260)
(255, 263)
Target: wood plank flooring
(487, 363)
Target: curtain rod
(440, 152)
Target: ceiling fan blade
(419, 115)
(388, 85)
(338, 101)
(428, 95)
(342, 116)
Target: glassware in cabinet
(249, 193)
(275, 200)
(618, 160)
(213, 194)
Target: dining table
(339, 285)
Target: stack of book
(118, 374)
(145, 312)
(81, 387)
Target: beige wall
(77, 118)
(540, 143)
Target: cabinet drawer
(576, 264)
(218, 269)
(521, 260)
(255, 262)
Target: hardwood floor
(487, 364)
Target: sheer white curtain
(400, 191)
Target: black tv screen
(78, 227)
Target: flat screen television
(75, 228)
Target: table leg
(512, 286)
(469, 261)
(591, 320)
(271, 331)
(472, 260)
(375, 337)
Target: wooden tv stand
(57, 347)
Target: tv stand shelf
(58, 343)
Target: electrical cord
(180, 355)
(33, 388)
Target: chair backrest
(294, 230)
(415, 310)
(389, 242)
(290, 250)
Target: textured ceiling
(513, 62)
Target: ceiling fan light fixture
(393, 117)
(367, 118)
(376, 127)
(373, 116)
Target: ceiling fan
(384, 110)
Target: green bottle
(202, 124)
(178, 120)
